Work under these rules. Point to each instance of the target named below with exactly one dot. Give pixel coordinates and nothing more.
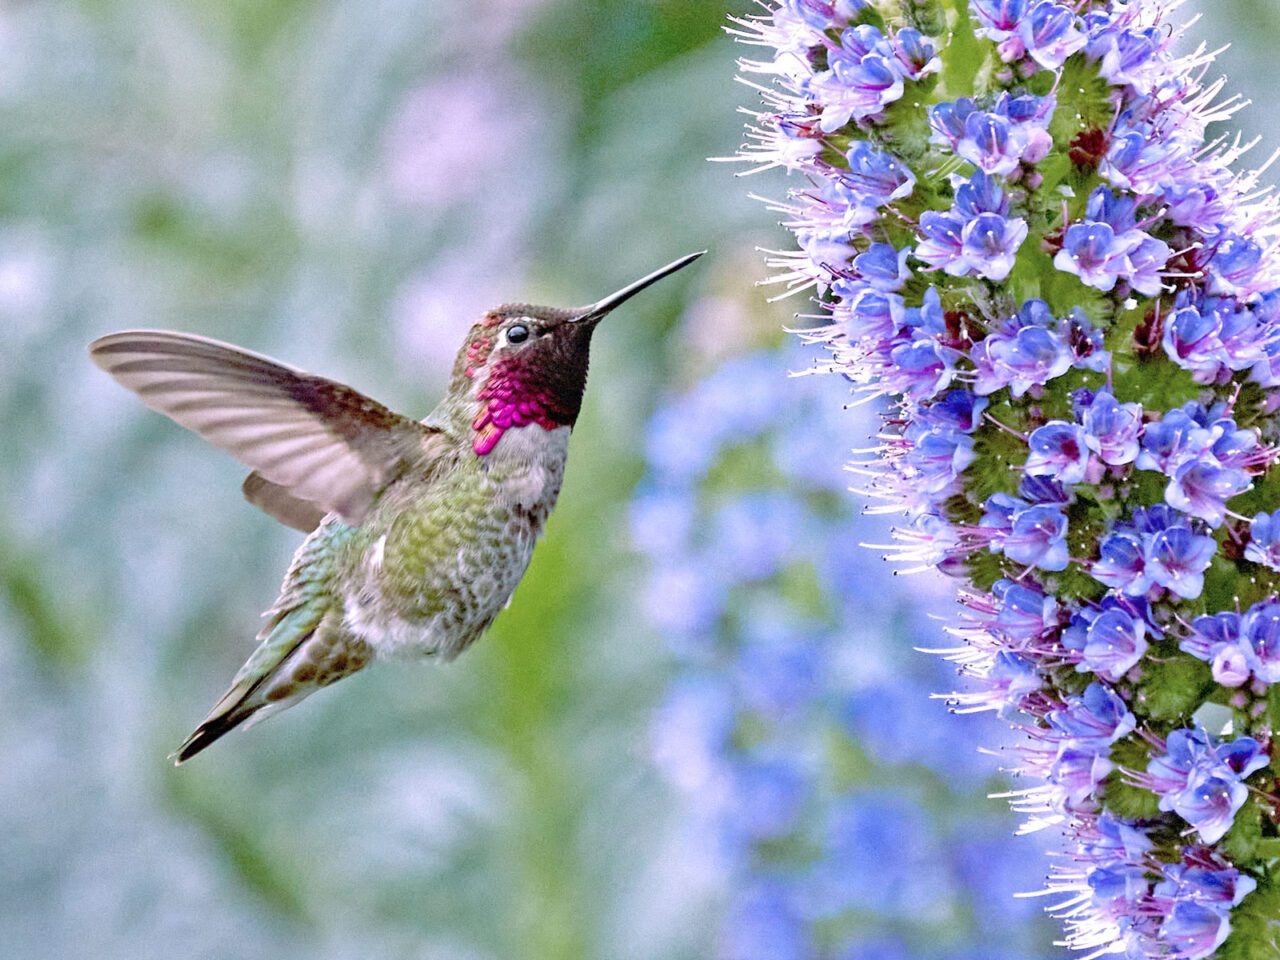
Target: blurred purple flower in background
(842, 803)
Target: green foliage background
(346, 185)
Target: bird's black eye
(517, 333)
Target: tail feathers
(205, 734)
(290, 665)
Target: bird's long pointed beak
(600, 309)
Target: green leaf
(1125, 800)
(964, 56)
(1255, 926)
(1173, 685)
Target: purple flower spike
(1058, 450)
(1053, 96)
(1264, 540)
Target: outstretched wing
(310, 440)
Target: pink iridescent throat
(508, 403)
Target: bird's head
(523, 365)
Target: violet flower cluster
(1016, 230)
(831, 834)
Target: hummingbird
(418, 531)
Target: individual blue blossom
(1176, 559)
(917, 54)
(823, 14)
(1026, 357)
(1207, 334)
(1108, 642)
(998, 19)
(866, 313)
(1022, 614)
(876, 177)
(1059, 450)
(1038, 538)
(1201, 488)
(883, 267)
(1146, 160)
(1096, 719)
(976, 236)
(1201, 898)
(1108, 246)
(1112, 429)
(995, 141)
(1178, 436)
(863, 77)
(1216, 639)
(1238, 268)
(1122, 564)
(1050, 34)
(1202, 781)
(1264, 540)
(1260, 639)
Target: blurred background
(699, 731)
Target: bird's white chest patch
(527, 464)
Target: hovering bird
(418, 531)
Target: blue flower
(1050, 34)
(1177, 558)
(883, 267)
(1201, 488)
(1059, 450)
(1236, 267)
(1094, 720)
(998, 19)
(1194, 930)
(917, 54)
(1112, 428)
(1109, 642)
(1260, 636)
(1264, 540)
(1038, 538)
(1122, 564)
(875, 176)
(1215, 638)
(1022, 614)
(1087, 381)
(1028, 357)
(1107, 247)
(1202, 781)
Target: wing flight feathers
(317, 442)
